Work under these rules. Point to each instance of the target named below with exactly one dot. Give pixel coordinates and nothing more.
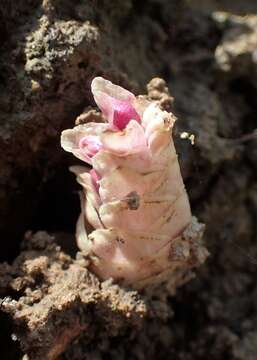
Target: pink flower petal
(116, 103)
(84, 140)
(95, 178)
(90, 145)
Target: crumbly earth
(50, 51)
(58, 299)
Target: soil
(52, 307)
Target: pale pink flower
(134, 196)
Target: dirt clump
(55, 299)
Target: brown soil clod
(58, 299)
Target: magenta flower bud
(115, 102)
(90, 145)
(134, 196)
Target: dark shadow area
(55, 208)
(9, 346)
(58, 204)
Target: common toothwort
(134, 196)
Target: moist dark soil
(52, 307)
